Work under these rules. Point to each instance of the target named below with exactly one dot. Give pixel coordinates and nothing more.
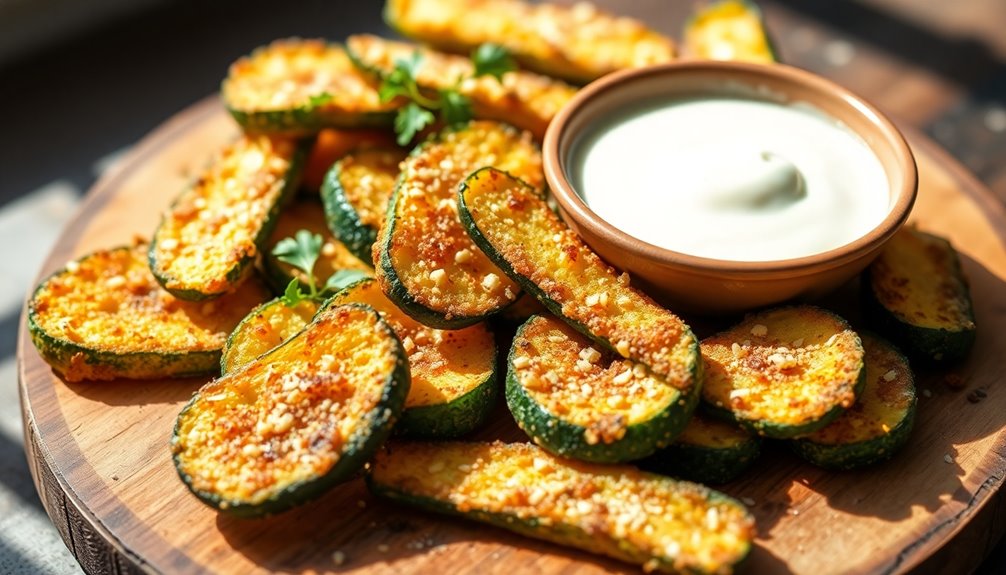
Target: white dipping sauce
(732, 178)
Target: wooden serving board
(99, 451)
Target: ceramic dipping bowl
(705, 285)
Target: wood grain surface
(99, 451)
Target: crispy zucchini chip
(880, 422)
(297, 87)
(784, 372)
(591, 404)
(707, 451)
(517, 230)
(356, 193)
(917, 295)
(729, 30)
(296, 421)
(266, 327)
(212, 233)
(105, 317)
(614, 510)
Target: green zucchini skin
(307, 120)
(454, 419)
(855, 456)
(357, 450)
(242, 268)
(926, 344)
(713, 464)
(342, 217)
(852, 452)
(565, 438)
(60, 353)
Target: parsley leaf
(410, 120)
(300, 251)
(292, 295)
(410, 66)
(452, 106)
(457, 108)
(319, 99)
(492, 60)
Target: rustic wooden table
(936, 67)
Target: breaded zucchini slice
(917, 295)
(514, 226)
(729, 30)
(578, 43)
(335, 256)
(613, 510)
(453, 372)
(577, 401)
(355, 194)
(297, 87)
(880, 422)
(524, 99)
(264, 328)
(296, 421)
(784, 372)
(212, 233)
(707, 451)
(426, 263)
(104, 317)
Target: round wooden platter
(100, 460)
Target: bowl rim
(557, 140)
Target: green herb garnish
(318, 100)
(301, 251)
(452, 106)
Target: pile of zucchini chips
(401, 263)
